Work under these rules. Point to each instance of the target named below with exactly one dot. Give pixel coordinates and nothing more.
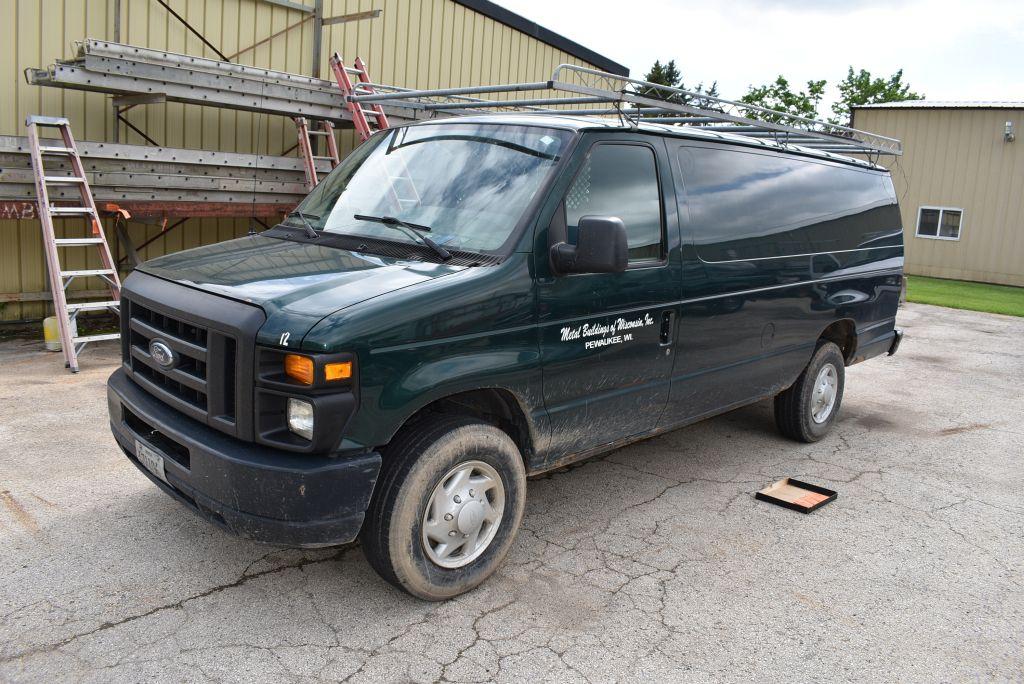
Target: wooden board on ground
(796, 495)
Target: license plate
(150, 458)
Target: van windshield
(469, 184)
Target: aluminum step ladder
(305, 133)
(360, 115)
(60, 279)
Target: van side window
(748, 205)
(620, 180)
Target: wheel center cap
(470, 517)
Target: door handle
(666, 327)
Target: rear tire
(445, 477)
(808, 409)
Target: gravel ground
(653, 562)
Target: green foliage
(711, 91)
(960, 294)
(860, 88)
(668, 75)
(857, 88)
(664, 74)
(779, 96)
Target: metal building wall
(413, 43)
(958, 158)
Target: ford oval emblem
(164, 356)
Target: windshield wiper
(413, 229)
(310, 230)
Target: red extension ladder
(305, 134)
(360, 115)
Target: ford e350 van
(464, 303)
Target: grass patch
(960, 294)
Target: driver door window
(620, 180)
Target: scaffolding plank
(14, 144)
(160, 181)
(120, 193)
(21, 209)
(79, 78)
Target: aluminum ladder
(71, 342)
(309, 158)
(360, 115)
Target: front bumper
(254, 491)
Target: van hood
(295, 283)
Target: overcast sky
(948, 49)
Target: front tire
(447, 507)
(808, 409)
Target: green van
(464, 303)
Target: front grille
(195, 397)
(214, 340)
(187, 380)
(203, 379)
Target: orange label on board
(810, 499)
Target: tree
(711, 91)
(860, 88)
(668, 75)
(778, 96)
(664, 74)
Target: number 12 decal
(284, 338)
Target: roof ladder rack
(633, 102)
(71, 342)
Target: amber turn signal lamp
(299, 368)
(338, 371)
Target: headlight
(300, 418)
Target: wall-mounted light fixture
(1008, 134)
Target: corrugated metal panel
(433, 43)
(958, 158)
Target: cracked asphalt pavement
(653, 562)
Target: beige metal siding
(958, 158)
(417, 44)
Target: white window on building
(939, 223)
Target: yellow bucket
(51, 333)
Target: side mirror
(601, 247)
